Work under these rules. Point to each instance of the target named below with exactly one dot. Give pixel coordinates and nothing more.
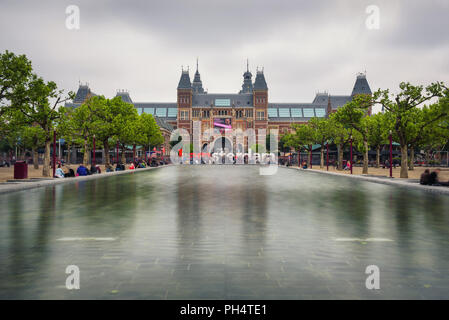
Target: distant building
(249, 108)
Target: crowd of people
(431, 178)
(64, 171)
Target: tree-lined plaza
(32, 110)
(417, 118)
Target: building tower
(184, 102)
(260, 100)
(361, 86)
(247, 86)
(124, 94)
(197, 85)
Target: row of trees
(31, 109)
(417, 118)
(110, 121)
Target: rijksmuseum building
(250, 107)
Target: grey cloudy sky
(304, 46)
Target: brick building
(248, 108)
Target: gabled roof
(321, 97)
(184, 81)
(124, 95)
(338, 101)
(260, 83)
(162, 124)
(155, 104)
(237, 99)
(83, 94)
(361, 85)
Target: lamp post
(134, 153)
(391, 155)
(54, 153)
(350, 161)
(93, 158)
(310, 156)
(116, 153)
(327, 155)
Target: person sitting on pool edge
(425, 177)
(59, 173)
(304, 164)
(120, 167)
(434, 180)
(82, 171)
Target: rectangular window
(223, 102)
(284, 112)
(308, 113)
(148, 110)
(260, 115)
(248, 113)
(296, 112)
(320, 112)
(184, 115)
(272, 112)
(172, 112)
(195, 113)
(161, 112)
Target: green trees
(37, 101)
(354, 116)
(14, 73)
(148, 132)
(37, 110)
(321, 135)
(340, 137)
(112, 121)
(378, 131)
(31, 110)
(303, 137)
(402, 107)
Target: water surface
(223, 232)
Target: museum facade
(249, 108)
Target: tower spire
(247, 65)
(196, 63)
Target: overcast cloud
(304, 46)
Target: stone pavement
(408, 183)
(19, 185)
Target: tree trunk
(35, 158)
(365, 158)
(123, 155)
(308, 158)
(322, 157)
(427, 157)
(340, 156)
(404, 162)
(412, 158)
(86, 153)
(68, 153)
(46, 168)
(106, 153)
(377, 156)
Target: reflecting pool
(223, 232)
